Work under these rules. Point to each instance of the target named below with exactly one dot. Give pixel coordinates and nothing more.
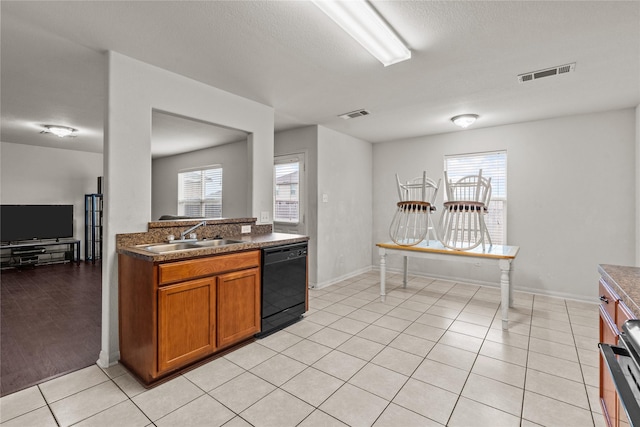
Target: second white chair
(462, 225)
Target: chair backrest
(471, 188)
(419, 189)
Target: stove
(623, 362)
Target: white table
(499, 255)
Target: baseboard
(104, 361)
(496, 285)
(339, 279)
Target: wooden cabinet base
(178, 314)
(613, 313)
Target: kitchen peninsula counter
(625, 281)
(127, 246)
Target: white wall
(134, 89)
(40, 175)
(345, 219)
(637, 264)
(305, 140)
(235, 176)
(571, 197)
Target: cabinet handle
(605, 299)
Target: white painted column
(134, 90)
(127, 185)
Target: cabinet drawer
(608, 299)
(191, 269)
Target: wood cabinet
(186, 322)
(613, 313)
(177, 313)
(608, 335)
(238, 306)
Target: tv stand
(40, 252)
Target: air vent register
(548, 72)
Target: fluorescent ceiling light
(59, 131)
(361, 22)
(464, 120)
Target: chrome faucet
(185, 232)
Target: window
(494, 166)
(287, 202)
(200, 192)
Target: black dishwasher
(284, 286)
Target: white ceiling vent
(553, 71)
(354, 114)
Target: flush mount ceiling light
(60, 131)
(363, 23)
(464, 120)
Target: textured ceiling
(287, 54)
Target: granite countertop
(249, 241)
(625, 281)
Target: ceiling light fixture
(363, 23)
(60, 131)
(464, 120)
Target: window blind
(287, 194)
(200, 192)
(494, 166)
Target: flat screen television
(35, 222)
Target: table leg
(510, 289)
(383, 272)
(505, 291)
(406, 269)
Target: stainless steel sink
(216, 242)
(168, 247)
(162, 248)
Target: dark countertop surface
(625, 281)
(249, 242)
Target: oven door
(626, 378)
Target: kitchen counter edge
(249, 242)
(625, 282)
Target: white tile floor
(432, 354)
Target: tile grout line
(584, 382)
(526, 368)
(366, 291)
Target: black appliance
(284, 286)
(623, 362)
(27, 222)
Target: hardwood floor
(49, 322)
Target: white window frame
(494, 166)
(203, 200)
(278, 162)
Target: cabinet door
(608, 394)
(238, 306)
(186, 322)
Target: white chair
(412, 221)
(462, 225)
